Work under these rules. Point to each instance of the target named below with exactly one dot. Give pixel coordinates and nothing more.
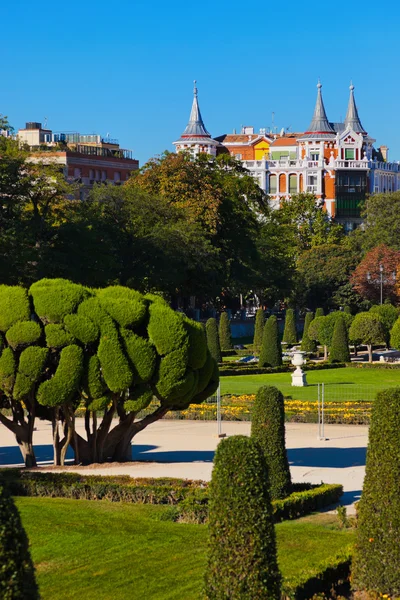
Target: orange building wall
(247, 152)
(282, 183)
(329, 186)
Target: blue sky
(127, 67)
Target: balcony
(352, 164)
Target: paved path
(186, 449)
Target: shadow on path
(11, 455)
(334, 458)
(140, 452)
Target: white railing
(351, 164)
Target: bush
(31, 366)
(242, 561)
(290, 333)
(395, 335)
(17, 576)
(339, 350)
(64, 385)
(14, 306)
(258, 331)
(368, 329)
(225, 337)
(23, 333)
(57, 336)
(377, 552)
(142, 356)
(54, 299)
(388, 315)
(307, 344)
(213, 339)
(271, 351)
(319, 312)
(268, 429)
(82, 328)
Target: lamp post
(380, 280)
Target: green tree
(271, 350)
(366, 279)
(375, 565)
(395, 335)
(368, 328)
(321, 328)
(17, 574)
(213, 342)
(307, 344)
(290, 333)
(268, 429)
(339, 350)
(242, 562)
(225, 336)
(258, 330)
(381, 217)
(388, 315)
(319, 312)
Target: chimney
(385, 152)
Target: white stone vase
(298, 376)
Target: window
(314, 155)
(103, 175)
(117, 176)
(77, 173)
(239, 156)
(349, 154)
(293, 183)
(91, 174)
(272, 184)
(97, 175)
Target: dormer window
(349, 154)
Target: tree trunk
(355, 350)
(23, 431)
(325, 352)
(369, 346)
(28, 453)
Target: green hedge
(374, 365)
(231, 370)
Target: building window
(103, 175)
(97, 175)
(238, 156)
(117, 176)
(77, 173)
(292, 184)
(349, 154)
(91, 174)
(272, 184)
(315, 156)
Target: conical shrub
(290, 333)
(271, 351)
(242, 562)
(376, 559)
(258, 331)
(268, 429)
(319, 312)
(213, 339)
(339, 350)
(307, 344)
(225, 336)
(17, 577)
(347, 310)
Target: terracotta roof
(237, 138)
(285, 141)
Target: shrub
(82, 328)
(307, 344)
(57, 337)
(258, 331)
(7, 370)
(213, 339)
(395, 335)
(339, 350)
(268, 429)
(17, 576)
(62, 387)
(31, 365)
(23, 334)
(14, 306)
(347, 310)
(242, 561)
(290, 333)
(166, 329)
(388, 315)
(225, 337)
(54, 299)
(271, 351)
(377, 552)
(142, 356)
(319, 313)
(368, 328)
(126, 312)
(197, 344)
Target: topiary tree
(258, 331)
(347, 310)
(395, 335)
(321, 328)
(319, 313)
(376, 559)
(268, 429)
(17, 575)
(339, 349)
(225, 336)
(290, 333)
(368, 328)
(213, 339)
(111, 351)
(388, 315)
(271, 350)
(307, 344)
(242, 562)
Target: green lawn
(112, 551)
(349, 383)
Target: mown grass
(113, 551)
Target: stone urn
(298, 376)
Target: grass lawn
(113, 551)
(349, 383)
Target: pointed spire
(319, 122)
(195, 127)
(352, 119)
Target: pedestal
(299, 378)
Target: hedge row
(236, 369)
(375, 365)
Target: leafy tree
(381, 217)
(268, 429)
(319, 312)
(339, 350)
(213, 342)
(258, 330)
(347, 309)
(225, 336)
(290, 333)
(395, 335)
(366, 279)
(307, 344)
(388, 315)
(271, 350)
(17, 574)
(321, 328)
(368, 328)
(242, 562)
(375, 565)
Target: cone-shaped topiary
(347, 310)
(339, 350)
(319, 312)
(290, 333)
(242, 563)
(213, 339)
(17, 575)
(376, 558)
(258, 331)
(271, 351)
(268, 429)
(307, 344)
(225, 336)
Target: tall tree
(376, 271)
(271, 350)
(290, 332)
(307, 344)
(225, 335)
(368, 328)
(258, 330)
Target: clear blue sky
(126, 67)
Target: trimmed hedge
(14, 306)
(307, 344)
(254, 370)
(225, 336)
(258, 331)
(271, 350)
(290, 333)
(213, 342)
(374, 365)
(339, 349)
(23, 333)
(65, 383)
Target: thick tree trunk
(369, 347)
(23, 431)
(28, 453)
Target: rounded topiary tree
(388, 315)
(395, 335)
(290, 333)
(258, 331)
(242, 563)
(213, 339)
(368, 328)
(225, 336)
(17, 575)
(271, 351)
(339, 349)
(376, 558)
(347, 310)
(319, 312)
(307, 344)
(268, 429)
